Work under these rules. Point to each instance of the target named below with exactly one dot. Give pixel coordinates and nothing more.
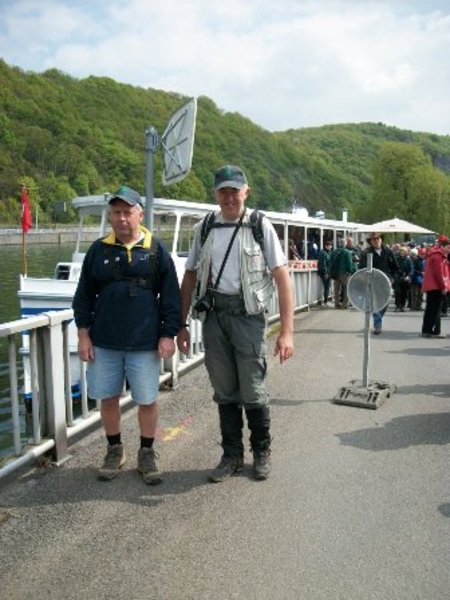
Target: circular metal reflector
(369, 290)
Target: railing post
(36, 409)
(54, 385)
(67, 375)
(14, 394)
(171, 365)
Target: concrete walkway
(358, 506)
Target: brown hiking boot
(114, 460)
(147, 466)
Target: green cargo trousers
(235, 353)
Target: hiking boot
(377, 330)
(146, 465)
(226, 468)
(114, 460)
(261, 465)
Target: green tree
(430, 199)
(82, 137)
(395, 174)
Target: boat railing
(50, 416)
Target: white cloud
(283, 64)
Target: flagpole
(24, 254)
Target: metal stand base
(372, 396)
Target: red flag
(26, 219)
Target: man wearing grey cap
(232, 271)
(384, 260)
(127, 309)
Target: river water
(41, 262)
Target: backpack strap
(153, 276)
(255, 219)
(207, 225)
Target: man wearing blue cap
(232, 271)
(127, 309)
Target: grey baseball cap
(230, 176)
(128, 195)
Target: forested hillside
(65, 137)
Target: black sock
(114, 439)
(146, 442)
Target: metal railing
(42, 343)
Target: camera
(205, 303)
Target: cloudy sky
(281, 63)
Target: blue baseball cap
(128, 195)
(230, 176)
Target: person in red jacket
(436, 284)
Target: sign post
(369, 290)
(178, 144)
(151, 145)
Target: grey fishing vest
(256, 280)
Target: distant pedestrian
(436, 284)
(342, 267)
(402, 280)
(416, 297)
(384, 260)
(354, 250)
(323, 270)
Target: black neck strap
(227, 253)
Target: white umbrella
(393, 226)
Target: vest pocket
(254, 259)
(263, 292)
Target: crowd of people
(419, 275)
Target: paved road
(358, 506)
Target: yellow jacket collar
(145, 243)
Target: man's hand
(184, 340)
(85, 346)
(166, 347)
(284, 346)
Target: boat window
(296, 244)
(186, 236)
(62, 271)
(164, 226)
